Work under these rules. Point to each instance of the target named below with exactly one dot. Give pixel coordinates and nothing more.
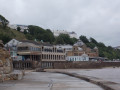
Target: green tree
(4, 21)
(59, 40)
(41, 34)
(91, 45)
(92, 40)
(5, 38)
(18, 28)
(65, 39)
(25, 32)
(29, 37)
(84, 39)
(74, 40)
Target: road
(48, 81)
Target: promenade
(105, 77)
(48, 81)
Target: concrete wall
(81, 65)
(63, 64)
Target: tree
(25, 32)
(5, 38)
(74, 40)
(41, 34)
(65, 39)
(29, 37)
(92, 40)
(91, 45)
(18, 28)
(4, 21)
(84, 39)
(59, 40)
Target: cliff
(5, 61)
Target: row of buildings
(39, 51)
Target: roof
(36, 43)
(27, 44)
(79, 43)
(95, 47)
(84, 55)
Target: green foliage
(29, 37)
(74, 40)
(104, 51)
(59, 40)
(40, 34)
(4, 21)
(84, 39)
(5, 38)
(18, 28)
(6, 34)
(65, 39)
(25, 32)
(92, 40)
(91, 45)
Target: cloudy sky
(99, 19)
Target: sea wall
(63, 64)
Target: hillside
(7, 34)
(45, 35)
(104, 51)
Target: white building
(71, 34)
(58, 32)
(118, 47)
(12, 43)
(79, 43)
(83, 57)
(22, 27)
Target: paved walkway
(109, 77)
(48, 81)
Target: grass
(12, 33)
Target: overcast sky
(99, 19)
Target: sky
(99, 19)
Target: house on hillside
(22, 27)
(71, 34)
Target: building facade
(52, 53)
(29, 51)
(83, 57)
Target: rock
(16, 75)
(6, 66)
